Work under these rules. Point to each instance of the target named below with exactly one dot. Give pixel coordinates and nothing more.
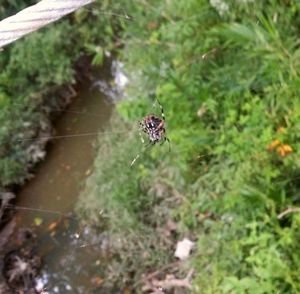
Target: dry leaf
(126, 291)
(273, 145)
(96, 281)
(152, 25)
(284, 150)
(53, 226)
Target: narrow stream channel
(54, 190)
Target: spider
(154, 127)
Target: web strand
(69, 136)
(123, 15)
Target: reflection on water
(68, 263)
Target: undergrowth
(227, 74)
(132, 204)
(33, 70)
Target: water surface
(53, 192)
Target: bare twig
(287, 211)
(159, 271)
(158, 286)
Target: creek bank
(50, 104)
(40, 190)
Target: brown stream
(53, 192)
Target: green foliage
(228, 79)
(227, 75)
(32, 71)
(36, 59)
(122, 200)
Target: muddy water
(56, 182)
(53, 192)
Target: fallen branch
(159, 271)
(287, 211)
(170, 282)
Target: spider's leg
(135, 159)
(161, 109)
(144, 149)
(141, 137)
(141, 128)
(149, 144)
(167, 139)
(162, 140)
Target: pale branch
(287, 211)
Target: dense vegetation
(227, 75)
(33, 71)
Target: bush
(33, 70)
(227, 75)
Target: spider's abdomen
(152, 122)
(154, 127)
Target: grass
(228, 81)
(130, 214)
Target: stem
(287, 211)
